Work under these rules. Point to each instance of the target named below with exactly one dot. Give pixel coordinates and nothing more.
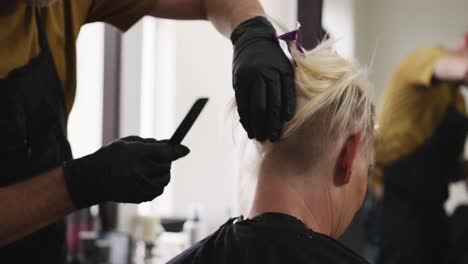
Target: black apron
(33, 120)
(415, 226)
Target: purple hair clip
(293, 36)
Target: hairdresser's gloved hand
(129, 170)
(263, 80)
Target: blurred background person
(419, 150)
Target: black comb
(188, 121)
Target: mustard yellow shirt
(412, 108)
(63, 19)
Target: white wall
(394, 28)
(203, 68)
(338, 19)
(284, 12)
(85, 122)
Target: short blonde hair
(332, 98)
(327, 84)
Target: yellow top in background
(412, 108)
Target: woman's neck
(301, 196)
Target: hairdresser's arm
(27, 206)
(224, 14)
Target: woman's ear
(346, 159)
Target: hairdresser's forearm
(30, 205)
(224, 14)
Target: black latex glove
(263, 80)
(129, 170)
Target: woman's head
(327, 144)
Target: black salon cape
(270, 238)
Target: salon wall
(386, 31)
(339, 21)
(392, 29)
(85, 121)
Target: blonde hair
(330, 89)
(332, 99)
